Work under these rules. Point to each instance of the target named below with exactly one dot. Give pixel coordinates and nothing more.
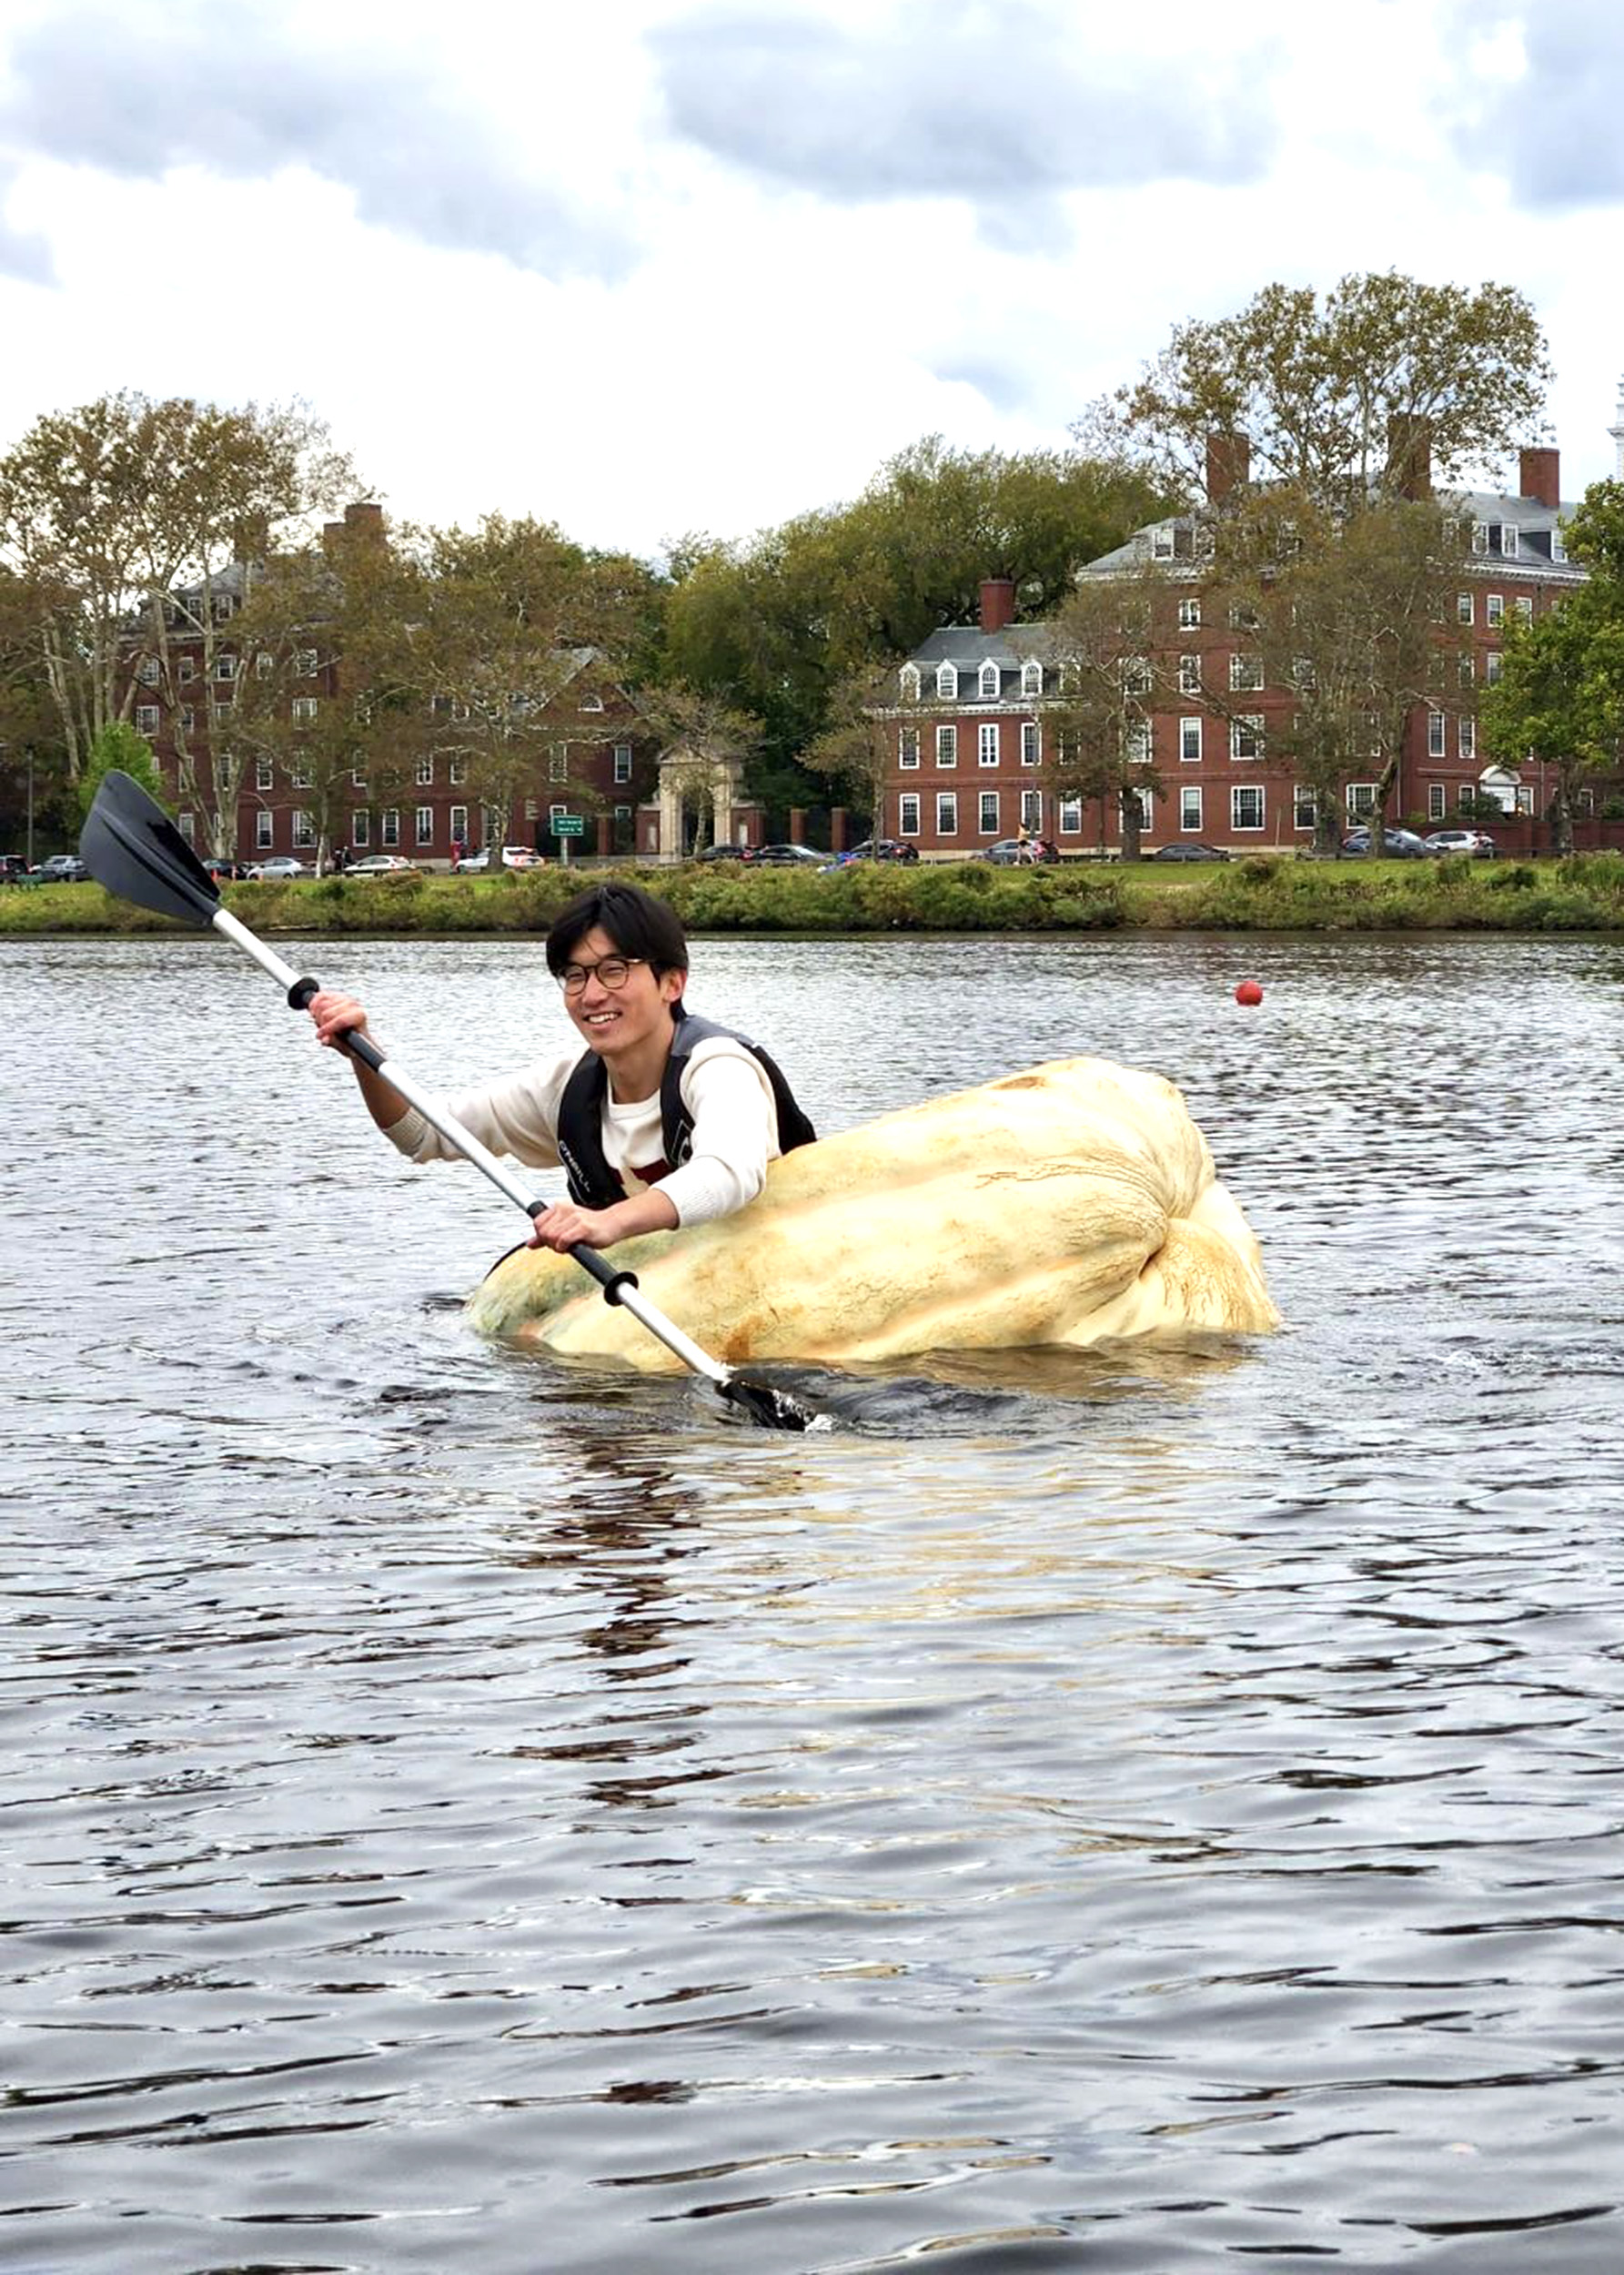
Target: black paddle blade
(775, 1410)
(129, 845)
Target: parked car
(1477, 843)
(12, 867)
(62, 869)
(382, 865)
(279, 865)
(882, 849)
(790, 856)
(1017, 852)
(1397, 844)
(226, 871)
(521, 857)
(473, 864)
(719, 853)
(1187, 849)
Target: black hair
(635, 921)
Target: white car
(521, 857)
(280, 865)
(382, 865)
(1476, 841)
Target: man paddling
(664, 1119)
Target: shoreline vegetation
(1259, 893)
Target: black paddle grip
(609, 1277)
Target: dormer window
(989, 678)
(1508, 541)
(1160, 543)
(947, 679)
(1479, 536)
(909, 682)
(1032, 678)
(1558, 552)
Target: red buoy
(1248, 992)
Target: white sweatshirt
(735, 1129)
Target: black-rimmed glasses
(611, 971)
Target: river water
(1152, 1811)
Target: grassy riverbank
(1262, 893)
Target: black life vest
(592, 1183)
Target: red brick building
(972, 738)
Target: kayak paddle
(130, 845)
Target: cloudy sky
(665, 265)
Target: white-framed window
(591, 703)
(907, 813)
(986, 819)
(1161, 543)
(185, 669)
(989, 678)
(304, 711)
(986, 743)
(1463, 608)
(1243, 616)
(188, 827)
(947, 813)
(304, 829)
(1524, 798)
(1147, 809)
(146, 671)
(1032, 742)
(1189, 807)
(1436, 801)
(1467, 670)
(457, 821)
(1522, 608)
(1466, 732)
(147, 718)
(1071, 817)
(558, 763)
(1479, 536)
(1189, 675)
(1245, 673)
(947, 746)
(390, 830)
(1135, 676)
(1031, 677)
(1491, 667)
(456, 769)
(1189, 742)
(1245, 736)
(1558, 549)
(908, 683)
(357, 777)
(424, 828)
(622, 817)
(1135, 743)
(220, 607)
(265, 775)
(225, 667)
(1361, 801)
(1435, 734)
(1493, 611)
(907, 748)
(265, 663)
(426, 771)
(623, 762)
(1304, 807)
(1032, 809)
(188, 719)
(360, 828)
(531, 813)
(1509, 540)
(947, 679)
(298, 774)
(1189, 614)
(263, 840)
(1246, 805)
(309, 663)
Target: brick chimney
(1228, 464)
(997, 602)
(363, 518)
(1541, 475)
(1409, 455)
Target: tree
(1336, 400)
(1353, 617)
(857, 748)
(1099, 723)
(122, 519)
(701, 734)
(1560, 699)
(118, 746)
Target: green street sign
(567, 825)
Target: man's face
(616, 1021)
